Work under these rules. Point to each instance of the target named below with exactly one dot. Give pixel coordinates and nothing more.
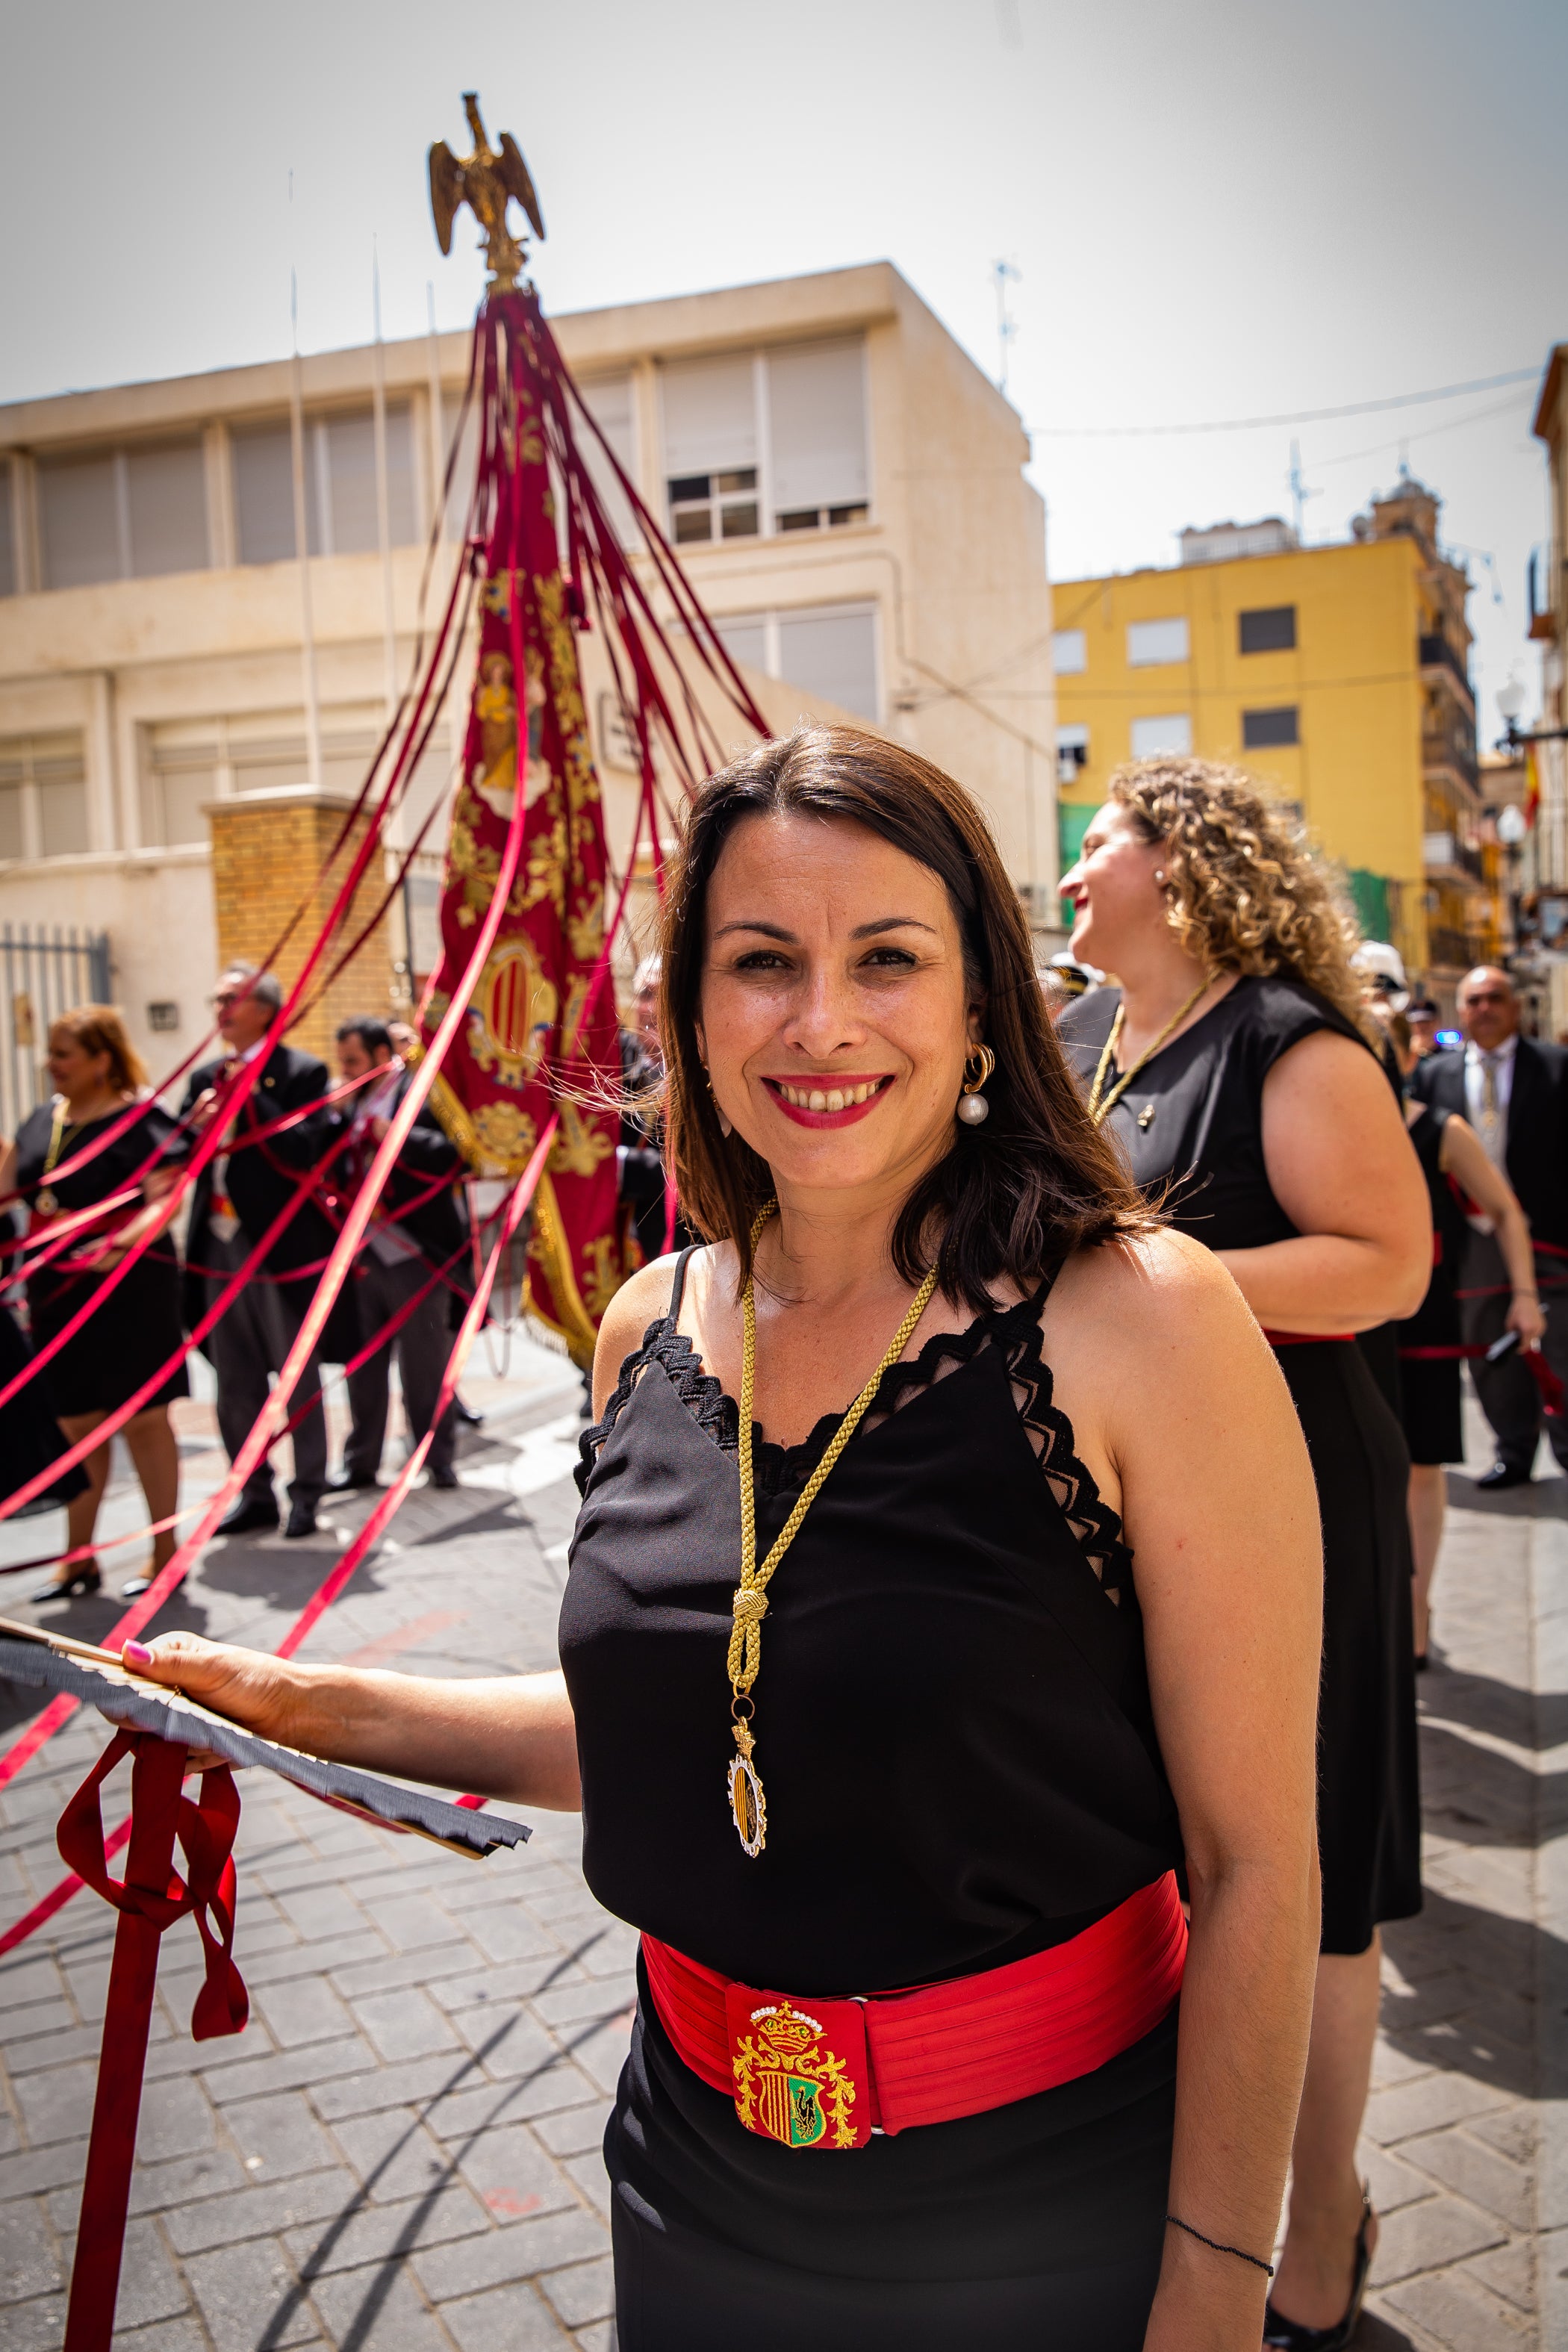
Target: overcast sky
(1224, 209)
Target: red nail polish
(136, 1653)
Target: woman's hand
(258, 1692)
(1524, 1316)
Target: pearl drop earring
(1159, 872)
(973, 1107)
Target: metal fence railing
(43, 969)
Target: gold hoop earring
(973, 1107)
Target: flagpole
(302, 547)
(382, 500)
(437, 420)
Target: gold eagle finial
(485, 180)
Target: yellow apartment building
(845, 485)
(1337, 674)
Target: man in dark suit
(234, 1199)
(1513, 1091)
(419, 1224)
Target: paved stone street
(401, 2152)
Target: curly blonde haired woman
(1232, 1064)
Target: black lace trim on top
(1016, 1330)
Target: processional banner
(542, 1032)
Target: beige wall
(950, 558)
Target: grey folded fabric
(125, 1699)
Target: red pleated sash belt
(828, 2074)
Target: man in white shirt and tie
(1513, 1090)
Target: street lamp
(1509, 703)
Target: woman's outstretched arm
(510, 1737)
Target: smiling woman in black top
(919, 1619)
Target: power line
(1295, 416)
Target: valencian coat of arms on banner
(540, 1032)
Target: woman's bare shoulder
(1159, 1288)
(641, 1301)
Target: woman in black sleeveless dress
(136, 1328)
(891, 1724)
(1229, 1079)
(1454, 1164)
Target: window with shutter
(745, 638)
(1149, 643)
(1272, 629)
(43, 796)
(1262, 729)
(832, 651)
(78, 519)
(344, 475)
(710, 450)
(1072, 751)
(1170, 732)
(264, 494)
(817, 420)
(13, 838)
(1071, 653)
(167, 497)
(608, 400)
(7, 533)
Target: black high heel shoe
(1290, 2336)
(77, 1586)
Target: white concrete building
(844, 484)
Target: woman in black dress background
(97, 1075)
(1232, 1065)
(1455, 1163)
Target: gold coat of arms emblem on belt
(791, 2083)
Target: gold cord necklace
(46, 1200)
(1098, 1108)
(748, 1806)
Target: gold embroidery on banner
(512, 1014)
(506, 1135)
(581, 1144)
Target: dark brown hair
(101, 1029)
(1013, 1197)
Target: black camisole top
(952, 1716)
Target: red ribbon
(1553, 1397)
(150, 1899)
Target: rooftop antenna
(1299, 493)
(1003, 275)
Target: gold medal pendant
(748, 1806)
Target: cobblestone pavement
(401, 2152)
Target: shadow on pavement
(1471, 2008)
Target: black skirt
(1369, 1801)
(1433, 1410)
(1038, 2223)
(123, 1341)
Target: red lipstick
(846, 1116)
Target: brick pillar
(267, 850)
